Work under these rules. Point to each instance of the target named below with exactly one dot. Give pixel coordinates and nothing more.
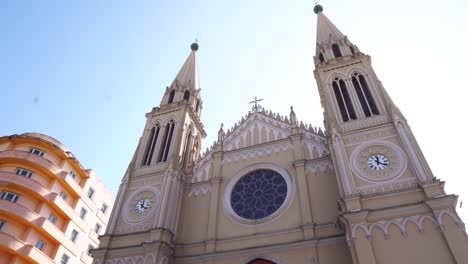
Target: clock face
(378, 162)
(142, 205)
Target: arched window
(171, 97)
(321, 58)
(153, 138)
(196, 148)
(197, 107)
(187, 95)
(186, 153)
(166, 143)
(365, 97)
(343, 99)
(260, 261)
(352, 49)
(336, 51)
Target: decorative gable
(260, 134)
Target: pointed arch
(336, 50)
(151, 144)
(171, 97)
(343, 100)
(364, 94)
(166, 143)
(188, 141)
(260, 261)
(186, 95)
(197, 107)
(321, 58)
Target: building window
(104, 208)
(2, 224)
(343, 99)
(83, 213)
(197, 107)
(64, 259)
(40, 244)
(90, 193)
(97, 228)
(164, 152)
(154, 134)
(9, 196)
(365, 97)
(88, 252)
(52, 218)
(321, 58)
(74, 235)
(336, 51)
(171, 97)
(187, 148)
(63, 195)
(23, 172)
(74, 177)
(36, 152)
(186, 95)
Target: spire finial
(318, 8)
(194, 46)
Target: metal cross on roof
(256, 107)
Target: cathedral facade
(272, 190)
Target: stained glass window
(258, 194)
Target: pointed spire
(327, 32)
(331, 43)
(188, 74)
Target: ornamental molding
(319, 165)
(149, 258)
(260, 251)
(197, 190)
(402, 222)
(201, 173)
(364, 123)
(251, 153)
(146, 170)
(381, 133)
(390, 187)
(147, 181)
(124, 228)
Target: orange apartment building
(51, 208)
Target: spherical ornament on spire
(194, 46)
(318, 9)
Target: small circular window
(258, 194)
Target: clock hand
(377, 160)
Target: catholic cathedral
(274, 191)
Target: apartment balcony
(29, 252)
(40, 192)
(15, 155)
(20, 213)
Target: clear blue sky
(86, 72)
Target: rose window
(258, 194)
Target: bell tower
(384, 179)
(143, 224)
